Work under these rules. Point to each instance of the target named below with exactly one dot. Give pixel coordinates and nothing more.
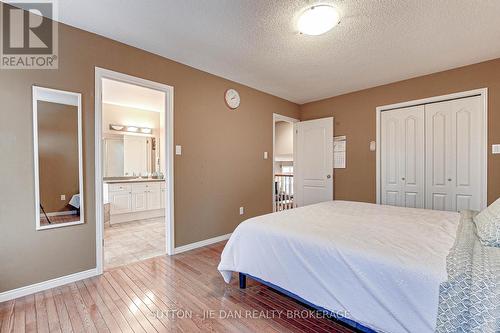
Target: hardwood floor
(183, 293)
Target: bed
(380, 268)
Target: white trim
(202, 243)
(41, 286)
(62, 97)
(101, 73)
(483, 92)
(278, 117)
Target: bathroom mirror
(130, 156)
(57, 136)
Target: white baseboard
(66, 212)
(202, 243)
(41, 286)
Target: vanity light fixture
(130, 129)
(317, 20)
(116, 127)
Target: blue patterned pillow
(488, 224)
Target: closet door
(453, 154)
(403, 157)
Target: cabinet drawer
(153, 186)
(139, 187)
(145, 187)
(119, 187)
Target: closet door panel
(402, 157)
(413, 157)
(391, 132)
(466, 176)
(438, 156)
(453, 154)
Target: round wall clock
(232, 98)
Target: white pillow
(488, 224)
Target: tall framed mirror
(57, 136)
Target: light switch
(178, 150)
(373, 146)
(265, 155)
(63, 197)
(495, 149)
(242, 210)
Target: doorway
(283, 162)
(134, 169)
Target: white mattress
(380, 264)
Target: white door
(313, 161)
(453, 150)
(402, 157)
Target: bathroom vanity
(135, 199)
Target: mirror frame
(60, 97)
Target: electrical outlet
(63, 197)
(242, 210)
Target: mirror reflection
(57, 138)
(130, 156)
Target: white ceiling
(132, 96)
(255, 42)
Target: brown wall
(355, 117)
(57, 155)
(221, 167)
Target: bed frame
(351, 323)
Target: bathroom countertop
(133, 180)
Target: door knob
(403, 178)
(449, 179)
(328, 176)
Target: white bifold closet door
(453, 154)
(402, 162)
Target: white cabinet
(129, 199)
(431, 155)
(120, 198)
(121, 202)
(163, 194)
(154, 196)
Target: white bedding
(381, 264)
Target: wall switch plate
(242, 210)
(265, 155)
(178, 150)
(63, 197)
(495, 149)
(373, 146)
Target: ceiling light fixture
(318, 19)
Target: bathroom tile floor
(128, 242)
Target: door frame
(278, 117)
(168, 150)
(482, 92)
